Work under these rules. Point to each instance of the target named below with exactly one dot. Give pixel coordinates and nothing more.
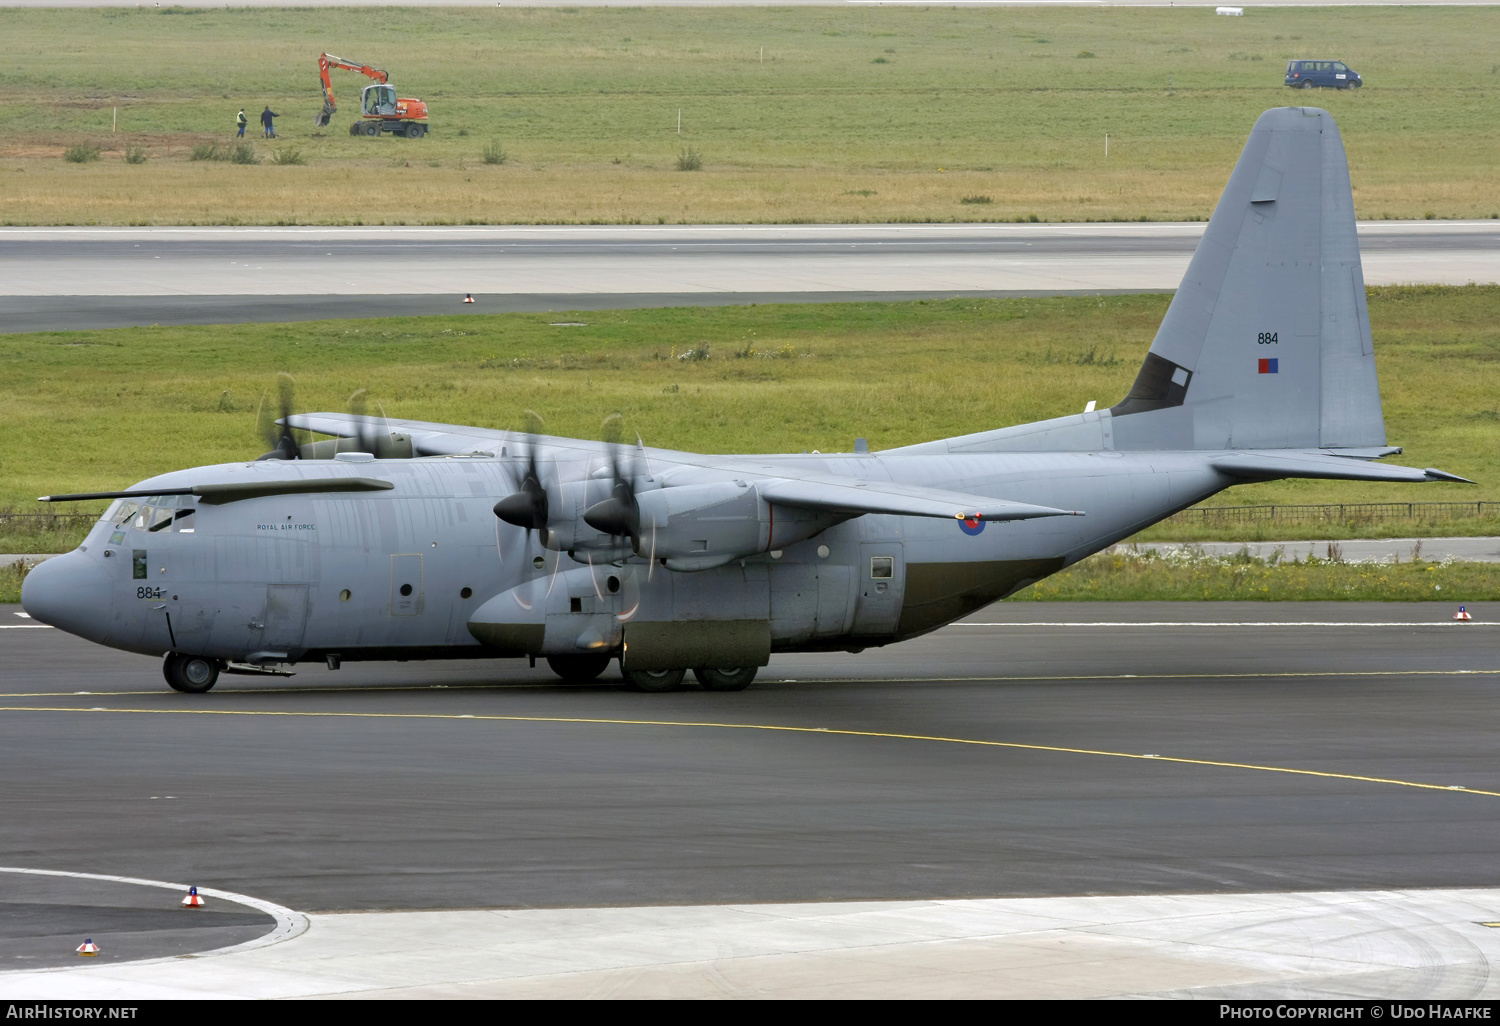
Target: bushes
(288, 156)
(494, 153)
(81, 153)
(240, 153)
(689, 160)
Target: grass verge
(1142, 574)
(100, 410)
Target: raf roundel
(973, 525)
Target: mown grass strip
(1145, 575)
(95, 410)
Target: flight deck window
(161, 519)
(882, 568)
(125, 510)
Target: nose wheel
(189, 673)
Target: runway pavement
(1038, 751)
(72, 278)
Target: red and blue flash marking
(1268, 366)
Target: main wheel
(413, 130)
(654, 680)
(372, 128)
(193, 674)
(578, 669)
(356, 128)
(1306, 84)
(731, 678)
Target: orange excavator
(380, 109)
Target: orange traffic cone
(1462, 614)
(468, 297)
(192, 900)
(89, 948)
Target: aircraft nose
(68, 592)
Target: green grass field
(809, 114)
(1125, 576)
(97, 410)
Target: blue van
(1330, 74)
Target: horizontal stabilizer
(217, 494)
(1266, 466)
(899, 500)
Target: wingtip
(1433, 474)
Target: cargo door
(286, 617)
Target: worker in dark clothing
(266, 117)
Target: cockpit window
(155, 514)
(161, 519)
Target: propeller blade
(363, 433)
(528, 506)
(618, 516)
(275, 430)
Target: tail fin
(1267, 341)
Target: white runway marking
(289, 923)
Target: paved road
(57, 278)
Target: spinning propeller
(618, 516)
(375, 438)
(277, 433)
(527, 507)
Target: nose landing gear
(189, 673)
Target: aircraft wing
(427, 439)
(1267, 466)
(857, 497)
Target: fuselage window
(882, 568)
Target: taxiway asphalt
(1035, 749)
(74, 278)
(1132, 752)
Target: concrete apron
(1359, 944)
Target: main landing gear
(193, 674)
(735, 678)
(585, 667)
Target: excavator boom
(328, 61)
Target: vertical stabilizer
(1267, 341)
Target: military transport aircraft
(409, 540)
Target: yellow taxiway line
(713, 725)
